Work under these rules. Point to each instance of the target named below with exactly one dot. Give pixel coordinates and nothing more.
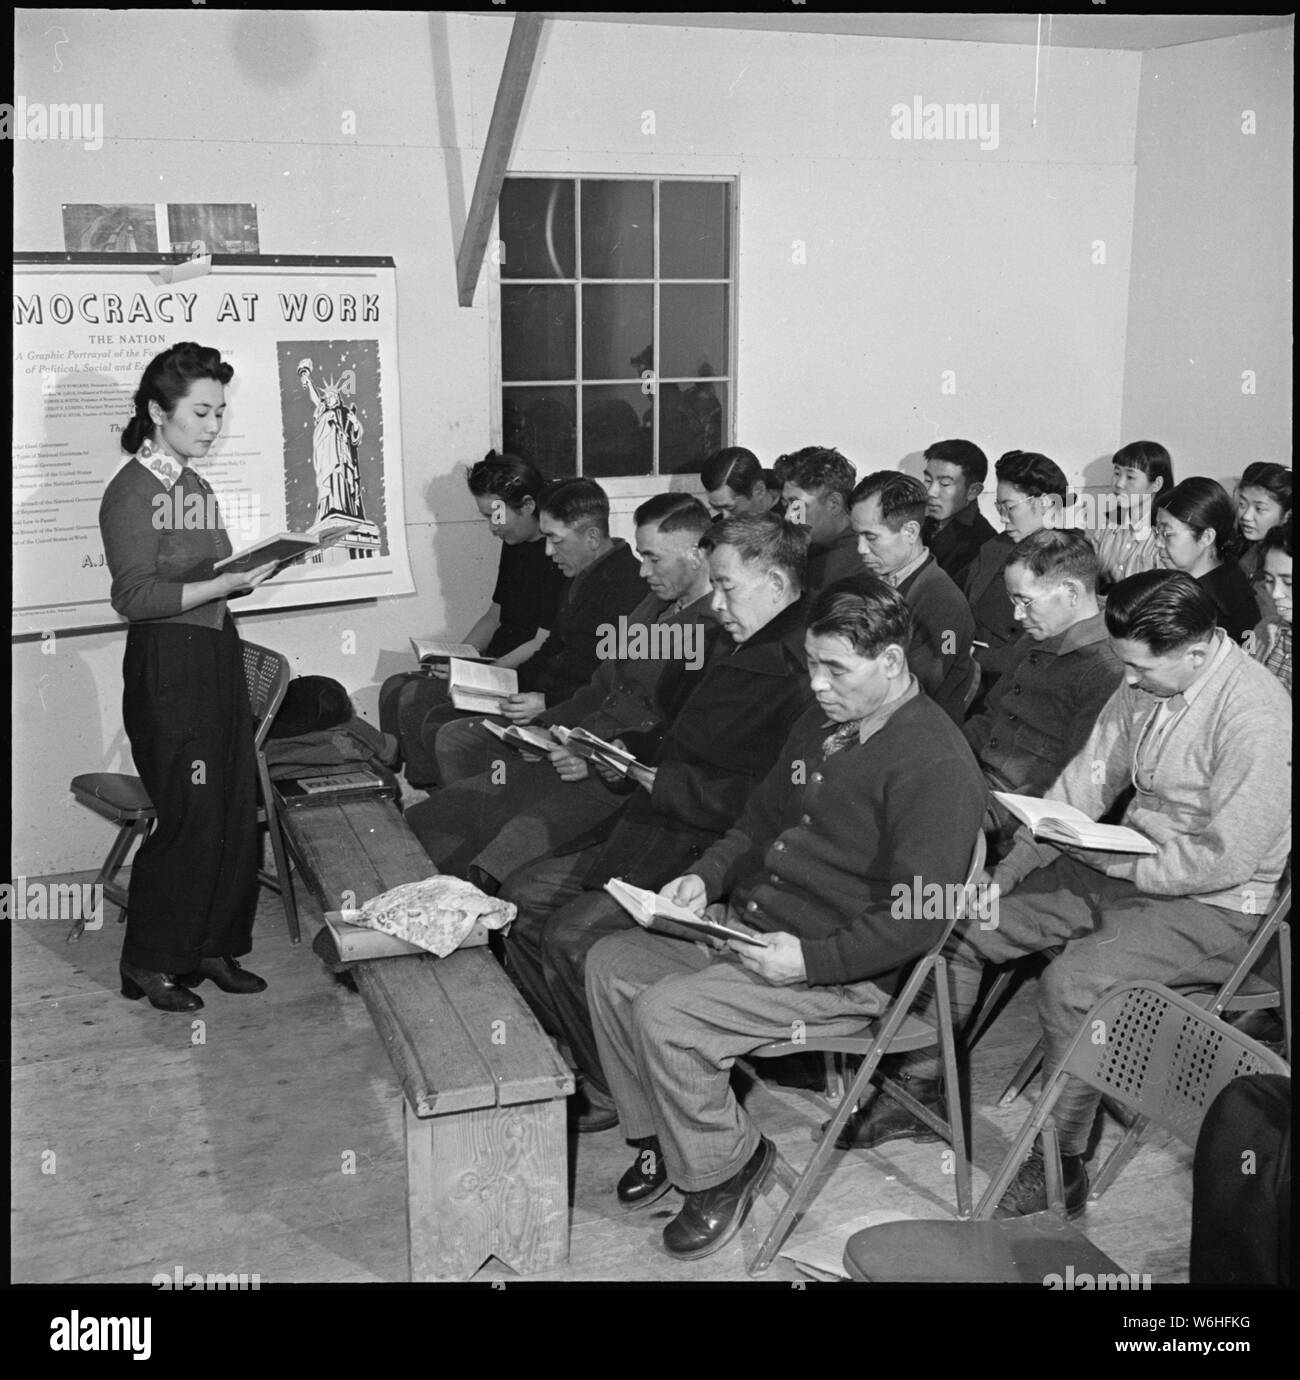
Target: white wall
(1211, 292)
(921, 257)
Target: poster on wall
(311, 434)
(150, 228)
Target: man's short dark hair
(1149, 458)
(902, 497)
(866, 612)
(1164, 609)
(763, 539)
(674, 512)
(819, 470)
(734, 468)
(1032, 474)
(1050, 554)
(507, 477)
(966, 455)
(578, 503)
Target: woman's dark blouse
(528, 590)
(1233, 596)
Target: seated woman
(1194, 526)
(1271, 641)
(1263, 501)
(528, 591)
(1029, 488)
(1140, 472)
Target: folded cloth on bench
(435, 914)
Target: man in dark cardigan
(875, 793)
(954, 528)
(727, 723)
(887, 510)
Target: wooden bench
(483, 1086)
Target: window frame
(617, 485)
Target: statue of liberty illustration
(338, 432)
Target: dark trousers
(405, 701)
(194, 880)
(557, 926)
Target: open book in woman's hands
(1058, 822)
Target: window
(616, 300)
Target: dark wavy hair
(819, 470)
(1277, 539)
(579, 503)
(866, 612)
(1164, 609)
(764, 539)
(167, 378)
(734, 468)
(1275, 480)
(902, 497)
(1203, 504)
(507, 477)
(1032, 474)
(1058, 555)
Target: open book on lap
(1057, 822)
(521, 736)
(478, 687)
(647, 906)
(431, 652)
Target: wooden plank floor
(269, 1139)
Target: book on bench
(479, 688)
(524, 737)
(318, 787)
(646, 906)
(432, 652)
(1057, 822)
(284, 547)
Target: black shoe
(886, 1119)
(590, 1111)
(1027, 1192)
(162, 989)
(710, 1218)
(647, 1181)
(226, 973)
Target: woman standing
(185, 703)
(1194, 526)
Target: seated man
(514, 811)
(954, 528)
(604, 583)
(1031, 490)
(527, 593)
(874, 787)
(1204, 735)
(735, 484)
(1140, 472)
(816, 485)
(718, 746)
(1270, 642)
(888, 508)
(1062, 672)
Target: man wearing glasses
(1203, 736)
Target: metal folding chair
(124, 800)
(1245, 990)
(1158, 1054)
(896, 1031)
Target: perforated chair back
(267, 675)
(1152, 1050)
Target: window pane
(617, 430)
(692, 425)
(617, 331)
(537, 424)
(694, 230)
(536, 222)
(617, 229)
(692, 330)
(538, 334)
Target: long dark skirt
(194, 881)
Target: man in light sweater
(1203, 735)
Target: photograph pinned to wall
(333, 425)
(222, 228)
(128, 228)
